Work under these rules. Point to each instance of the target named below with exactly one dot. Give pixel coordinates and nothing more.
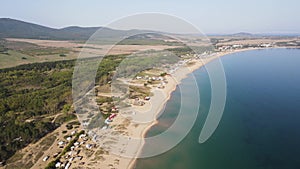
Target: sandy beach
(120, 144)
(143, 85)
(175, 79)
(125, 139)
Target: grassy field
(18, 53)
(14, 52)
(13, 58)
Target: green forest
(31, 95)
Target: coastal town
(149, 84)
(108, 125)
(102, 142)
(125, 108)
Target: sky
(210, 16)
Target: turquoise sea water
(260, 127)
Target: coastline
(186, 150)
(140, 132)
(175, 79)
(121, 144)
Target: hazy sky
(211, 16)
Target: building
(46, 158)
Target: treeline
(44, 66)
(190, 50)
(180, 51)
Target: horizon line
(270, 33)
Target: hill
(11, 28)
(242, 34)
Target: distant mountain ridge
(11, 28)
(243, 34)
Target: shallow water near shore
(261, 122)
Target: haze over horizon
(213, 17)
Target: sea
(260, 126)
